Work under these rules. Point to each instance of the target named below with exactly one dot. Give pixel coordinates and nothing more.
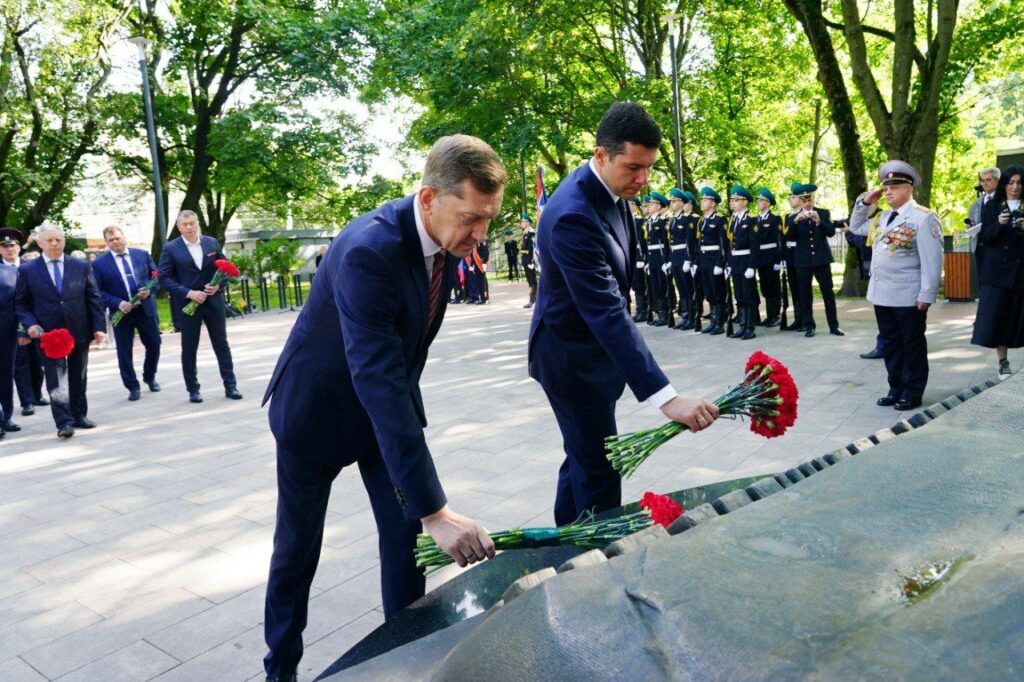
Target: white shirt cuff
(663, 396)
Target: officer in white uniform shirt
(906, 266)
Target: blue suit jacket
(107, 270)
(179, 274)
(77, 308)
(348, 378)
(583, 344)
(8, 316)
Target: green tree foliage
(273, 256)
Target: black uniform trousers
(124, 336)
(303, 490)
(8, 359)
(640, 288)
(586, 479)
(901, 330)
(658, 279)
(744, 290)
(216, 326)
(28, 374)
(530, 271)
(770, 281)
(713, 285)
(822, 273)
(66, 384)
(684, 280)
(793, 284)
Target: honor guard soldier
(906, 266)
(526, 258)
(814, 260)
(789, 260)
(10, 247)
(770, 258)
(743, 261)
(640, 282)
(714, 250)
(658, 260)
(512, 256)
(681, 233)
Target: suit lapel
(414, 252)
(606, 209)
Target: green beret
(741, 192)
(660, 198)
(708, 193)
(765, 193)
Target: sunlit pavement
(140, 549)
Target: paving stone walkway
(139, 550)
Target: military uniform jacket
(640, 237)
(511, 249)
(1004, 249)
(812, 248)
(743, 235)
(526, 247)
(906, 253)
(657, 235)
(769, 237)
(680, 234)
(789, 240)
(711, 234)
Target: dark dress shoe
(836, 331)
(11, 426)
(232, 393)
(153, 386)
(749, 334)
(902, 405)
(738, 334)
(716, 330)
(873, 355)
(28, 411)
(134, 394)
(771, 322)
(810, 332)
(85, 423)
(195, 397)
(2, 434)
(887, 401)
(65, 433)
(42, 402)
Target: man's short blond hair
(112, 228)
(455, 158)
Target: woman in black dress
(1000, 320)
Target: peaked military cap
(660, 198)
(765, 193)
(741, 191)
(808, 189)
(526, 216)
(708, 193)
(676, 193)
(688, 196)
(8, 235)
(794, 187)
(898, 172)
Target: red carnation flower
(57, 343)
(664, 510)
(757, 359)
(227, 267)
(154, 273)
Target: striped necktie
(436, 277)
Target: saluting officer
(714, 250)
(770, 260)
(681, 231)
(658, 260)
(906, 266)
(743, 261)
(814, 260)
(789, 261)
(526, 258)
(639, 277)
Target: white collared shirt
(120, 268)
(15, 264)
(49, 270)
(659, 398)
(195, 250)
(427, 243)
(901, 211)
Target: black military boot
(771, 309)
(718, 316)
(742, 315)
(749, 332)
(712, 319)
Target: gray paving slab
(139, 549)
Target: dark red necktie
(436, 277)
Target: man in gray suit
(989, 180)
(906, 265)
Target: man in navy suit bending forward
(584, 347)
(346, 388)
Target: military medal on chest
(900, 237)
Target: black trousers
(586, 479)
(8, 359)
(530, 272)
(822, 273)
(640, 288)
(793, 284)
(124, 336)
(770, 282)
(513, 269)
(28, 374)
(303, 489)
(901, 331)
(66, 384)
(713, 285)
(213, 317)
(683, 280)
(658, 281)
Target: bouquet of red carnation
(767, 395)
(154, 279)
(57, 344)
(588, 532)
(226, 270)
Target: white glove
(666, 268)
(640, 265)
(717, 270)
(749, 274)
(973, 230)
(693, 270)
(776, 267)
(530, 266)
(686, 266)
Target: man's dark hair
(627, 122)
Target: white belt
(769, 246)
(676, 247)
(709, 248)
(659, 247)
(791, 245)
(741, 252)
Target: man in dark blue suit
(584, 347)
(57, 291)
(10, 244)
(346, 388)
(186, 268)
(120, 274)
